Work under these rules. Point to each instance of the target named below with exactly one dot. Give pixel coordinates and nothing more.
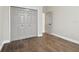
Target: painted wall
(43, 21)
(1, 25)
(4, 24)
(66, 21)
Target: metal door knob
(50, 24)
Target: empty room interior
(39, 28)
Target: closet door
(30, 29)
(23, 23)
(16, 25)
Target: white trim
(1, 47)
(66, 38)
(39, 35)
(7, 41)
(9, 25)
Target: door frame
(24, 8)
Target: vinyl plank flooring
(47, 43)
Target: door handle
(50, 24)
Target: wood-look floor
(47, 43)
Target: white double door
(23, 23)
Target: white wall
(4, 24)
(66, 21)
(40, 19)
(0, 25)
(43, 18)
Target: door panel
(23, 23)
(48, 22)
(31, 23)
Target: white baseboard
(1, 47)
(7, 41)
(40, 35)
(66, 38)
